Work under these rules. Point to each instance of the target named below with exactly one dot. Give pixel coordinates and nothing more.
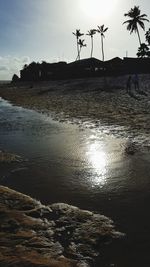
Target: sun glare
(98, 161)
(98, 8)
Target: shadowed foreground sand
(33, 234)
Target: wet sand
(99, 100)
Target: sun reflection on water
(97, 160)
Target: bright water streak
(68, 163)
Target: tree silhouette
(81, 44)
(25, 66)
(147, 36)
(135, 20)
(78, 34)
(15, 78)
(143, 51)
(91, 33)
(102, 30)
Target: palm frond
(143, 16)
(101, 29)
(135, 19)
(78, 33)
(105, 29)
(143, 19)
(91, 32)
(141, 24)
(127, 21)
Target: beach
(99, 162)
(100, 101)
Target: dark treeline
(90, 67)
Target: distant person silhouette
(129, 81)
(136, 82)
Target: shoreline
(56, 96)
(86, 100)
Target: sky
(37, 30)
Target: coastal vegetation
(102, 30)
(147, 36)
(78, 34)
(81, 45)
(92, 67)
(136, 20)
(143, 51)
(91, 34)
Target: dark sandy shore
(98, 100)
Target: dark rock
(28, 237)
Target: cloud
(3, 68)
(10, 65)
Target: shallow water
(80, 166)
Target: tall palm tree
(135, 20)
(147, 36)
(81, 44)
(78, 34)
(101, 30)
(143, 51)
(91, 33)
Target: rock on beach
(33, 234)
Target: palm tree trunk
(139, 35)
(91, 46)
(78, 53)
(77, 50)
(102, 48)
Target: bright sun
(98, 8)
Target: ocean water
(82, 166)
(4, 81)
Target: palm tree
(78, 34)
(101, 30)
(91, 33)
(143, 51)
(81, 44)
(135, 20)
(147, 35)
